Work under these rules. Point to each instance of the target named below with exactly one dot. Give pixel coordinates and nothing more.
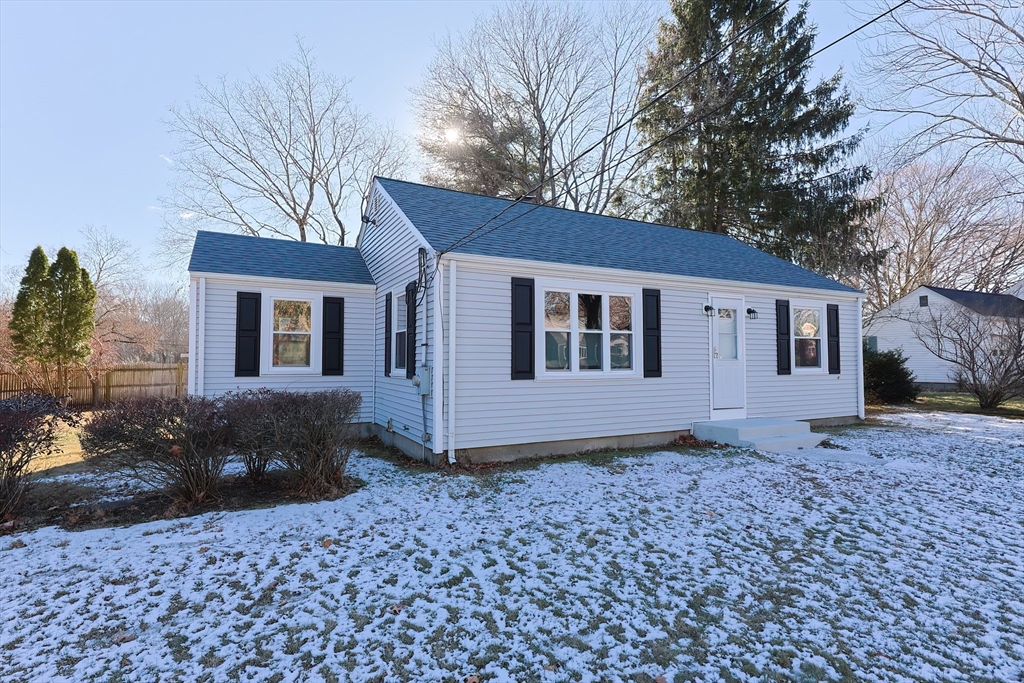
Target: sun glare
(452, 135)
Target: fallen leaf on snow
(328, 543)
(660, 679)
(551, 667)
(122, 637)
(204, 549)
(396, 609)
(473, 679)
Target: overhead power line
(478, 232)
(659, 97)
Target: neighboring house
(559, 331)
(901, 325)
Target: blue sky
(84, 86)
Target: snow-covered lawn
(901, 558)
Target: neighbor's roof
(556, 235)
(221, 252)
(1002, 305)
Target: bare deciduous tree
(987, 352)
(506, 105)
(955, 69)
(284, 156)
(944, 224)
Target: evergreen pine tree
(763, 158)
(53, 317)
(71, 318)
(28, 322)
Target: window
(807, 337)
(587, 332)
(293, 328)
(872, 343)
(291, 332)
(922, 301)
(728, 335)
(401, 312)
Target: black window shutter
(334, 336)
(410, 328)
(523, 346)
(247, 334)
(387, 334)
(832, 316)
(652, 332)
(784, 362)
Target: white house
(488, 330)
(901, 325)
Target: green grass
(954, 402)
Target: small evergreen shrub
(179, 444)
(887, 379)
(29, 428)
(313, 434)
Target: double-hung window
(293, 332)
(807, 335)
(292, 329)
(399, 326)
(588, 331)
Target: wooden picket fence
(112, 383)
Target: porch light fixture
(752, 314)
(708, 310)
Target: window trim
(398, 325)
(316, 298)
(822, 337)
(606, 290)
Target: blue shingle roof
(221, 252)
(556, 235)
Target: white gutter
(451, 362)
(437, 381)
(201, 339)
(860, 358)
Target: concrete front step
(778, 444)
(761, 433)
(734, 431)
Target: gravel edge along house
(547, 331)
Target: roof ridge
(282, 240)
(561, 208)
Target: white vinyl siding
(803, 395)
(218, 344)
(894, 330)
(492, 409)
(391, 251)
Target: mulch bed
(66, 504)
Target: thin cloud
(170, 162)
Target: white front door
(728, 375)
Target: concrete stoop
(760, 433)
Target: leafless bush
(986, 351)
(313, 435)
(29, 427)
(180, 444)
(252, 429)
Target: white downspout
(201, 339)
(193, 331)
(860, 358)
(451, 364)
(436, 380)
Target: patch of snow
(682, 565)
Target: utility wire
(476, 233)
(662, 95)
